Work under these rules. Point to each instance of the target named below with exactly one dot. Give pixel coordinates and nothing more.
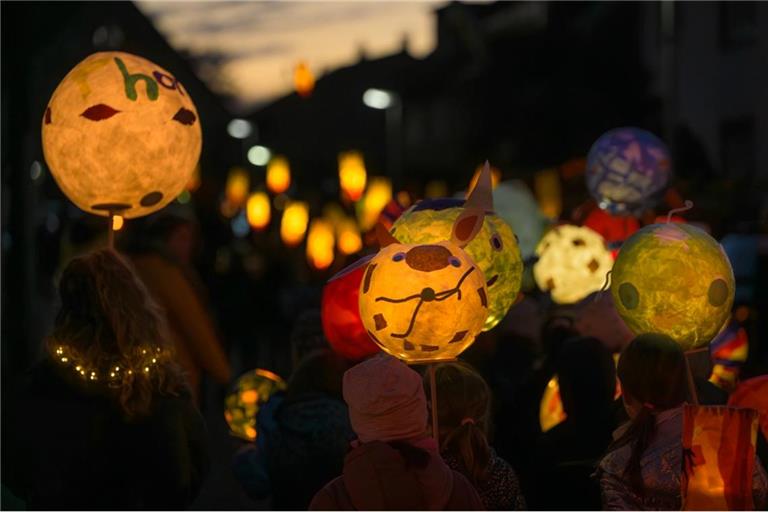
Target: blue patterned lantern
(627, 170)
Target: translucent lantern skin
(423, 315)
(121, 134)
(242, 404)
(673, 279)
(573, 262)
(494, 249)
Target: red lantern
(614, 228)
(753, 394)
(341, 315)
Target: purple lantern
(627, 170)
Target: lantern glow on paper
(348, 237)
(320, 243)
(250, 392)
(627, 169)
(551, 411)
(258, 210)
(494, 249)
(237, 187)
(573, 262)
(352, 175)
(673, 279)
(378, 194)
(340, 314)
(294, 223)
(303, 80)
(121, 135)
(278, 175)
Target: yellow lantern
(573, 262)
(258, 210)
(278, 175)
(303, 79)
(352, 175)
(673, 279)
(251, 391)
(294, 223)
(425, 303)
(237, 187)
(494, 249)
(348, 236)
(320, 243)
(377, 196)
(548, 192)
(121, 135)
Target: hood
(376, 478)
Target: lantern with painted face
(494, 249)
(121, 135)
(251, 391)
(426, 302)
(673, 279)
(573, 262)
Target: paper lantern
(573, 262)
(546, 184)
(627, 170)
(728, 351)
(676, 280)
(348, 237)
(249, 392)
(614, 229)
(494, 249)
(121, 135)
(278, 174)
(515, 204)
(426, 302)
(237, 187)
(294, 223)
(551, 411)
(376, 198)
(352, 175)
(320, 244)
(258, 210)
(303, 80)
(753, 394)
(340, 312)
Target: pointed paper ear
(384, 237)
(481, 196)
(467, 226)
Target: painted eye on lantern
(99, 112)
(629, 295)
(400, 256)
(496, 242)
(718, 292)
(453, 260)
(185, 116)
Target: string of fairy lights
(148, 357)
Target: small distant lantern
(303, 80)
(251, 391)
(348, 237)
(551, 412)
(573, 262)
(378, 194)
(341, 315)
(546, 184)
(278, 174)
(320, 244)
(121, 135)
(237, 187)
(627, 170)
(673, 279)
(258, 210)
(352, 175)
(294, 223)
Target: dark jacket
(71, 448)
(500, 490)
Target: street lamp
(391, 103)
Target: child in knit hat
(394, 464)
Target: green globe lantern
(249, 392)
(673, 279)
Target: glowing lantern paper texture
(341, 314)
(320, 244)
(676, 280)
(494, 249)
(573, 262)
(258, 210)
(294, 223)
(121, 135)
(352, 175)
(250, 392)
(278, 175)
(627, 169)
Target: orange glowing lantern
(294, 223)
(551, 412)
(250, 392)
(377, 196)
(237, 187)
(352, 175)
(548, 192)
(278, 175)
(303, 80)
(320, 244)
(258, 210)
(349, 241)
(195, 180)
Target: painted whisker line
(397, 301)
(413, 320)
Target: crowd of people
(109, 417)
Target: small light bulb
(117, 368)
(64, 359)
(154, 360)
(146, 369)
(111, 374)
(78, 367)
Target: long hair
(111, 335)
(652, 372)
(463, 412)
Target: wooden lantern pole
(691, 382)
(111, 232)
(433, 393)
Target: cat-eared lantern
(495, 249)
(250, 391)
(426, 303)
(673, 279)
(121, 135)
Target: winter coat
(376, 477)
(500, 490)
(661, 466)
(70, 447)
(300, 448)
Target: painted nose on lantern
(428, 258)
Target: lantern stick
(111, 232)
(691, 383)
(433, 392)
